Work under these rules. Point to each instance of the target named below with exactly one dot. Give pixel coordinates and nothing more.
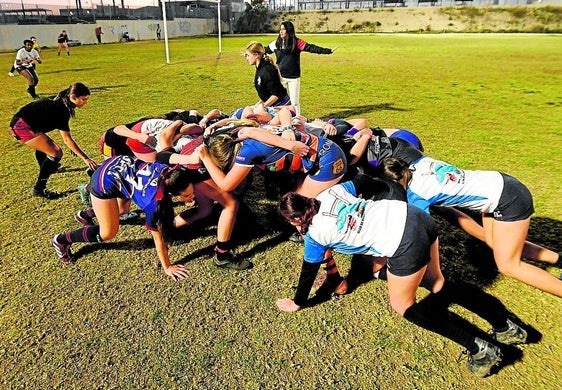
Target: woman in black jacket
(287, 49)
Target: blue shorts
(407, 135)
(331, 163)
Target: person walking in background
(158, 32)
(267, 80)
(26, 58)
(98, 34)
(31, 123)
(287, 49)
(62, 41)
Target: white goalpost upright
(219, 29)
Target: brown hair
(293, 206)
(78, 89)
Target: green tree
(256, 18)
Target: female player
(338, 220)
(322, 160)
(287, 48)
(62, 41)
(31, 123)
(207, 193)
(26, 58)
(267, 80)
(150, 187)
(506, 206)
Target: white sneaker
(10, 74)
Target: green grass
(115, 321)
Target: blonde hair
(255, 47)
(223, 149)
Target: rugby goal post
(165, 22)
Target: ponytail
(76, 89)
(293, 206)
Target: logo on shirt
(338, 166)
(351, 216)
(445, 172)
(259, 80)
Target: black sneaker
(82, 218)
(63, 251)
(513, 335)
(45, 193)
(481, 362)
(233, 261)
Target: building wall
(12, 36)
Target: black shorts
(516, 201)
(413, 253)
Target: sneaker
(481, 362)
(513, 335)
(63, 251)
(128, 217)
(233, 261)
(296, 237)
(11, 74)
(82, 218)
(84, 194)
(45, 193)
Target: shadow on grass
(69, 70)
(137, 244)
(357, 111)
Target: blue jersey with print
(130, 178)
(253, 152)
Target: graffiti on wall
(185, 26)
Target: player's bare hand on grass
(287, 305)
(176, 272)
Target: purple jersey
(129, 178)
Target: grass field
(114, 320)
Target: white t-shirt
(436, 182)
(23, 55)
(348, 224)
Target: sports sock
(48, 167)
(88, 213)
(435, 320)
(222, 250)
(40, 157)
(84, 234)
(329, 265)
(476, 300)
